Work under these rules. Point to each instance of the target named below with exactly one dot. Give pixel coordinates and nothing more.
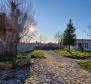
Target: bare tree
(22, 12)
(21, 17)
(58, 38)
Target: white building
(86, 44)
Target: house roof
(84, 39)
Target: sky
(53, 15)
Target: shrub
(21, 60)
(74, 54)
(37, 54)
(22, 54)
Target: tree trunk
(59, 45)
(14, 50)
(9, 52)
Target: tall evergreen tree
(69, 36)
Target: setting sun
(32, 29)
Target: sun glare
(32, 29)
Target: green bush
(85, 64)
(73, 54)
(37, 54)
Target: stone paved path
(57, 70)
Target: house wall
(85, 43)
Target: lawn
(74, 54)
(85, 64)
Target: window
(86, 45)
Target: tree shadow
(15, 76)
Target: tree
(22, 13)
(58, 37)
(69, 36)
(21, 19)
(81, 48)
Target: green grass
(33, 54)
(85, 64)
(37, 54)
(73, 54)
(23, 54)
(20, 57)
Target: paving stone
(58, 70)
(52, 70)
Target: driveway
(56, 69)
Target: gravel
(57, 70)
